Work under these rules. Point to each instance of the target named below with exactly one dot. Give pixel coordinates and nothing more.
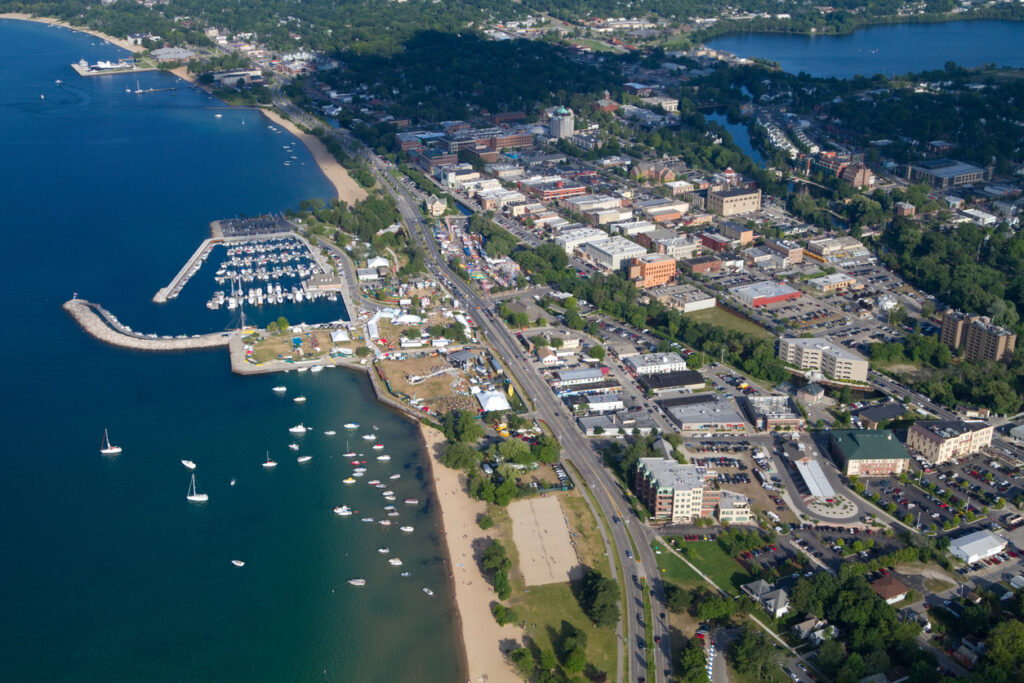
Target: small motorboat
(405, 574)
(343, 510)
(412, 501)
(304, 458)
(378, 446)
(298, 429)
(383, 551)
(238, 563)
(280, 390)
(299, 399)
(189, 464)
(407, 529)
(351, 425)
(393, 513)
(383, 458)
(373, 482)
(395, 562)
(385, 522)
(388, 493)
(348, 480)
(366, 519)
(369, 437)
(293, 446)
(357, 582)
(428, 591)
(330, 432)
(395, 476)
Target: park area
(709, 558)
(430, 380)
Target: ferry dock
(83, 68)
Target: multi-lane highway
(576, 449)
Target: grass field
(712, 560)
(722, 318)
(675, 570)
(586, 533)
(545, 608)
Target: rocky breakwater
(103, 325)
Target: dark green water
(108, 572)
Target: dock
(86, 71)
(103, 325)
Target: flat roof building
(685, 298)
(977, 546)
(672, 381)
(764, 293)
(977, 336)
(836, 282)
(655, 363)
(733, 202)
(652, 270)
(572, 239)
(715, 415)
(945, 173)
(702, 264)
(942, 440)
(868, 453)
(818, 355)
(674, 492)
(769, 413)
(610, 253)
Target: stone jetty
(103, 325)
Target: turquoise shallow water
(108, 572)
(889, 49)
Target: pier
(84, 70)
(103, 325)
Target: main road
(576, 449)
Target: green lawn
(675, 570)
(712, 560)
(722, 318)
(544, 608)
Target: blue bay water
(888, 50)
(108, 572)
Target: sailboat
(194, 495)
(269, 463)
(107, 448)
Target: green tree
(460, 456)
(546, 449)
(677, 598)
(599, 597)
(597, 352)
(362, 351)
(753, 653)
(282, 324)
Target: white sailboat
(194, 495)
(107, 448)
(269, 463)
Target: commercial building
(679, 247)
(977, 546)
(977, 336)
(715, 242)
(733, 508)
(610, 253)
(702, 265)
(831, 248)
(572, 239)
(652, 270)
(685, 298)
(705, 414)
(942, 440)
(868, 453)
(655, 363)
(768, 413)
(733, 202)
(836, 282)
(562, 124)
(790, 250)
(601, 403)
(874, 416)
(735, 231)
(633, 229)
(569, 378)
(672, 381)
(680, 493)
(549, 189)
(834, 362)
(763, 293)
(946, 173)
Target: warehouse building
(708, 414)
(977, 546)
(655, 363)
(612, 252)
(763, 293)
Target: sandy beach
(348, 190)
(57, 22)
(481, 636)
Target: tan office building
(942, 440)
(832, 361)
(733, 202)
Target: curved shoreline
(52, 21)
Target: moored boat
(330, 432)
(351, 425)
(348, 480)
(194, 495)
(343, 511)
(384, 551)
(298, 429)
(304, 458)
(293, 446)
(428, 591)
(406, 529)
(269, 463)
(238, 563)
(280, 390)
(357, 582)
(369, 437)
(299, 399)
(395, 562)
(412, 501)
(189, 464)
(107, 448)
(383, 458)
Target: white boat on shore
(304, 458)
(238, 563)
(343, 511)
(351, 425)
(357, 582)
(298, 429)
(107, 448)
(194, 495)
(280, 390)
(189, 464)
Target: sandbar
(482, 638)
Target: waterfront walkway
(103, 325)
